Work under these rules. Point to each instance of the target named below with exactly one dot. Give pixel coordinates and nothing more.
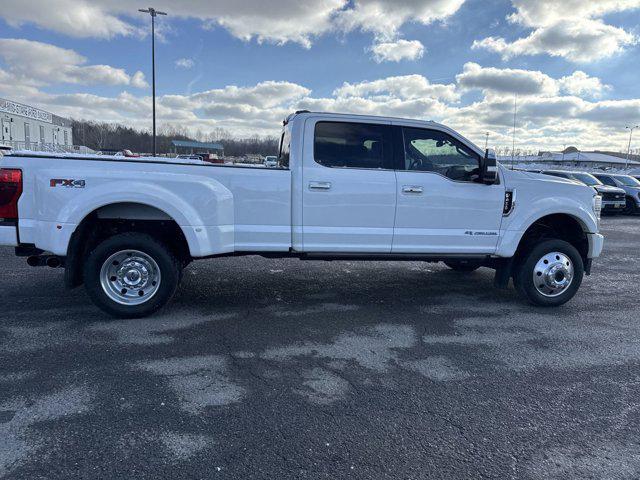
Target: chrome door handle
(412, 189)
(319, 185)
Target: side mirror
(489, 168)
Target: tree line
(112, 137)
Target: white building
(25, 127)
(583, 160)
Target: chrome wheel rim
(130, 277)
(553, 274)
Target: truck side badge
(61, 182)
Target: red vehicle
(210, 157)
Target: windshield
(587, 179)
(628, 181)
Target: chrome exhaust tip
(34, 261)
(53, 262)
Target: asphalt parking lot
(288, 369)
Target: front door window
(435, 151)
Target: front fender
(520, 220)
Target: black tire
(630, 208)
(170, 270)
(523, 277)
(463, 266)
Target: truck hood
(519, 175)
(545, 185)
(608, 189)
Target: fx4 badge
(474, 233)
(63, 182)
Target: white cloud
(385, 17)
(572, 29)
(138, 80)
(528, 82)
(277, 21)
(407, 87)
(398, 50)
(264, 94)
(37, 63)
(579, 83)
(534, 13)
(506, 80)
(186, 63)
(77, 18)
(550, 111)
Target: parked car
(211, 158)
(350, 187)
(613, 198)
(188, 157)
(271, 161)
(126, 154)
(630, 185)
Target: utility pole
(515, 113)
(631, 129)
(154, 13)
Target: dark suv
(630, 185)
(613, 198)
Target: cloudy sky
(243, 65)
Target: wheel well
(560, 226)
(118, 218)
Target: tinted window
(606, 180)
(557, 174)
(587, 179)
(628, 181)
(434, 151)
(352, 145)
(285, 148)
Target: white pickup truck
(345, 187)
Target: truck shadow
(291, 282)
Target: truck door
(441, 209)
(348, 186)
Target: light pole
(631, 129)
(486, 142)
(154, 13)
(515, 113)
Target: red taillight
(10, 191)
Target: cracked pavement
(288, 369)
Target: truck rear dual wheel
(131, 275)
(550, 273)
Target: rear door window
(353, 145)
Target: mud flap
(587, 266)
(504, 269)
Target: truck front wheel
(131, 275)
(550, 273)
